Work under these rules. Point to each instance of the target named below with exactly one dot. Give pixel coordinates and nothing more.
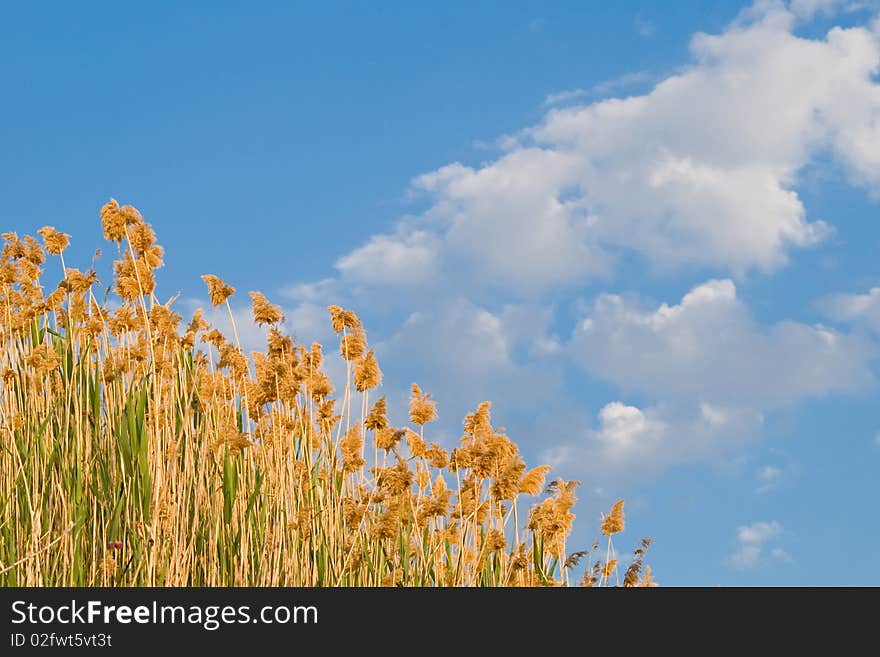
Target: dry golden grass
(138, 451)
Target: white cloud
(459, 336)
(308, 322)
(807, 9)
(318, 291)
(781, 555)
(632, 442)
(699, 172)
(602, 89)
(529, 325)
(712, 373)
(509, 224)
(745, 557)
(645, 27)
(408, 258)
(752, 540)
(466, 354)
(758, 532)
(858, 308)
(709, 347)
(622, 82)
(624, 428)
(769, 477)
(565, 96)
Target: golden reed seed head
(279, 345)
(343, 319)
(313, 358)
(141, 237)
(495, 540)
(353, 343)
(395, 480)
(377, 418)
(56, 299)
(28, 272)
(33, 251)
(77, 282)
(367, 374)
(417, 446)
(533, 480)
(114, 219)
(215, 337)
(439, 488)
(8, 273)
(327, 411)
(232, 358)
(423, 476)
(13, 248)
(122, 321)
(647, 580)
(42, 358)
(319, 386)
(352, 447)
(265, 312)
(388, 437)
(421, 408)
(506, 483)
(130, 215)
(480, 421)
(609, 568)
(388, 523)
(437, 456)
(54, 240)
(197, 323)
(153, 257)
(218, 291)
(133, 277)
(614, 521)
(335, 318)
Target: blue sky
(646, 232)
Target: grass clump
(139, 450)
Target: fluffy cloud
(713, 372)
(701, 171)
(467, 354)
(565, 96)
(510, 224)
(807, 9)
(624, 429)
(708, 347)
(631, 442)
(858, 308)
(403, 260)
(758, 532)
(752, 540)
(769, 477)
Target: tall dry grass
(136, 451)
